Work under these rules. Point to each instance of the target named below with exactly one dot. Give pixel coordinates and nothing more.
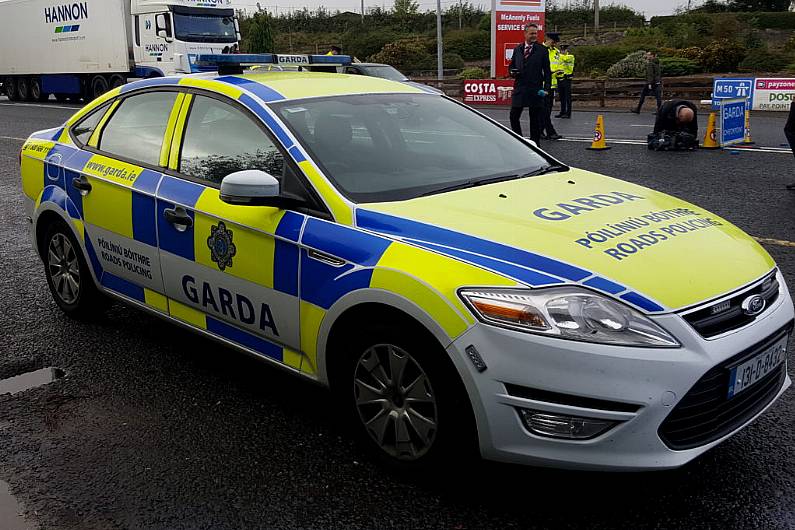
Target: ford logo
(753, 305)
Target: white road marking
(12, 138)
(777, 150)
(36, 105)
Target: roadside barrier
(747, 140)
(711, 137)
(599, 142)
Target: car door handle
(81, 184)
(179, 218)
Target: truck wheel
(10, 86)
(68, 277)
(99, 85)
(406, 401)
(23, 88)
(117, 80)
(35, 90)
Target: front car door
(231, 270)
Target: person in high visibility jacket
(565, 83)
(551, 42)
(334, 50)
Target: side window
(220, 139)
(83, 129)
(137, 128)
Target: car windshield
(385, 72)
(389, 147)
(204, 28)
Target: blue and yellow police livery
(455, 286)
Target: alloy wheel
(64, 268)
(395, 401)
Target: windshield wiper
(552, 168)
(471, 184)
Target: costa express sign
(508, 18)
(488, 91)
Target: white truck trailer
(75, 49)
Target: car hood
(654, 251)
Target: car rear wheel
(36, 92)
(99, 85)
(23, 88)
(10, 87)
(406, 401)
(68, 277)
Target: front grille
(706, 414)
(727, 315)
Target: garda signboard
(774, 94)
(488, 91)
(508, 18)
(729, 88)
(732, 121)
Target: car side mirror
(252, 187)
(163, 29)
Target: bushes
(472, 45)
(365, 44)
(763, 61)
(633, 65)
(595, 60)
(406, 54)
(678, 66)
(473, 73)
(722, 56)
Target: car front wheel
(407, 402)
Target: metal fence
(604, 90)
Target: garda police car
(454, 285)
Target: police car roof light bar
(230, 64)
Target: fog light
(561, 426)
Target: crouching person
(676, 127)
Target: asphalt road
(153, 427)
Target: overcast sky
(649, 7)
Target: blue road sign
(729, 88)
(732, 121)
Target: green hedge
(759, 20)
(678, 66)
(472, 45)
(595, 60)
(758, 61)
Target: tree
(260, 35)
(404, 8)
(759, 5)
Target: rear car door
(231, 270)
(113, 186)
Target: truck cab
(167, 35)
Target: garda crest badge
(222, 249)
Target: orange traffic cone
(747, 140)
(711, 138)
(599, 143)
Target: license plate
(746, 374)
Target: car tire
(417, 418)
(23, 88)
(10, 87)
(99, 85)
(68, 277)
(35, 91)
(117, 80)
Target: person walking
(551, 43)
(532, 82)
(789, 130)
(653, 82)
(565, 84)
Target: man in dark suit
(533, 81)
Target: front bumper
(651, 380)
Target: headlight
(568, 313)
